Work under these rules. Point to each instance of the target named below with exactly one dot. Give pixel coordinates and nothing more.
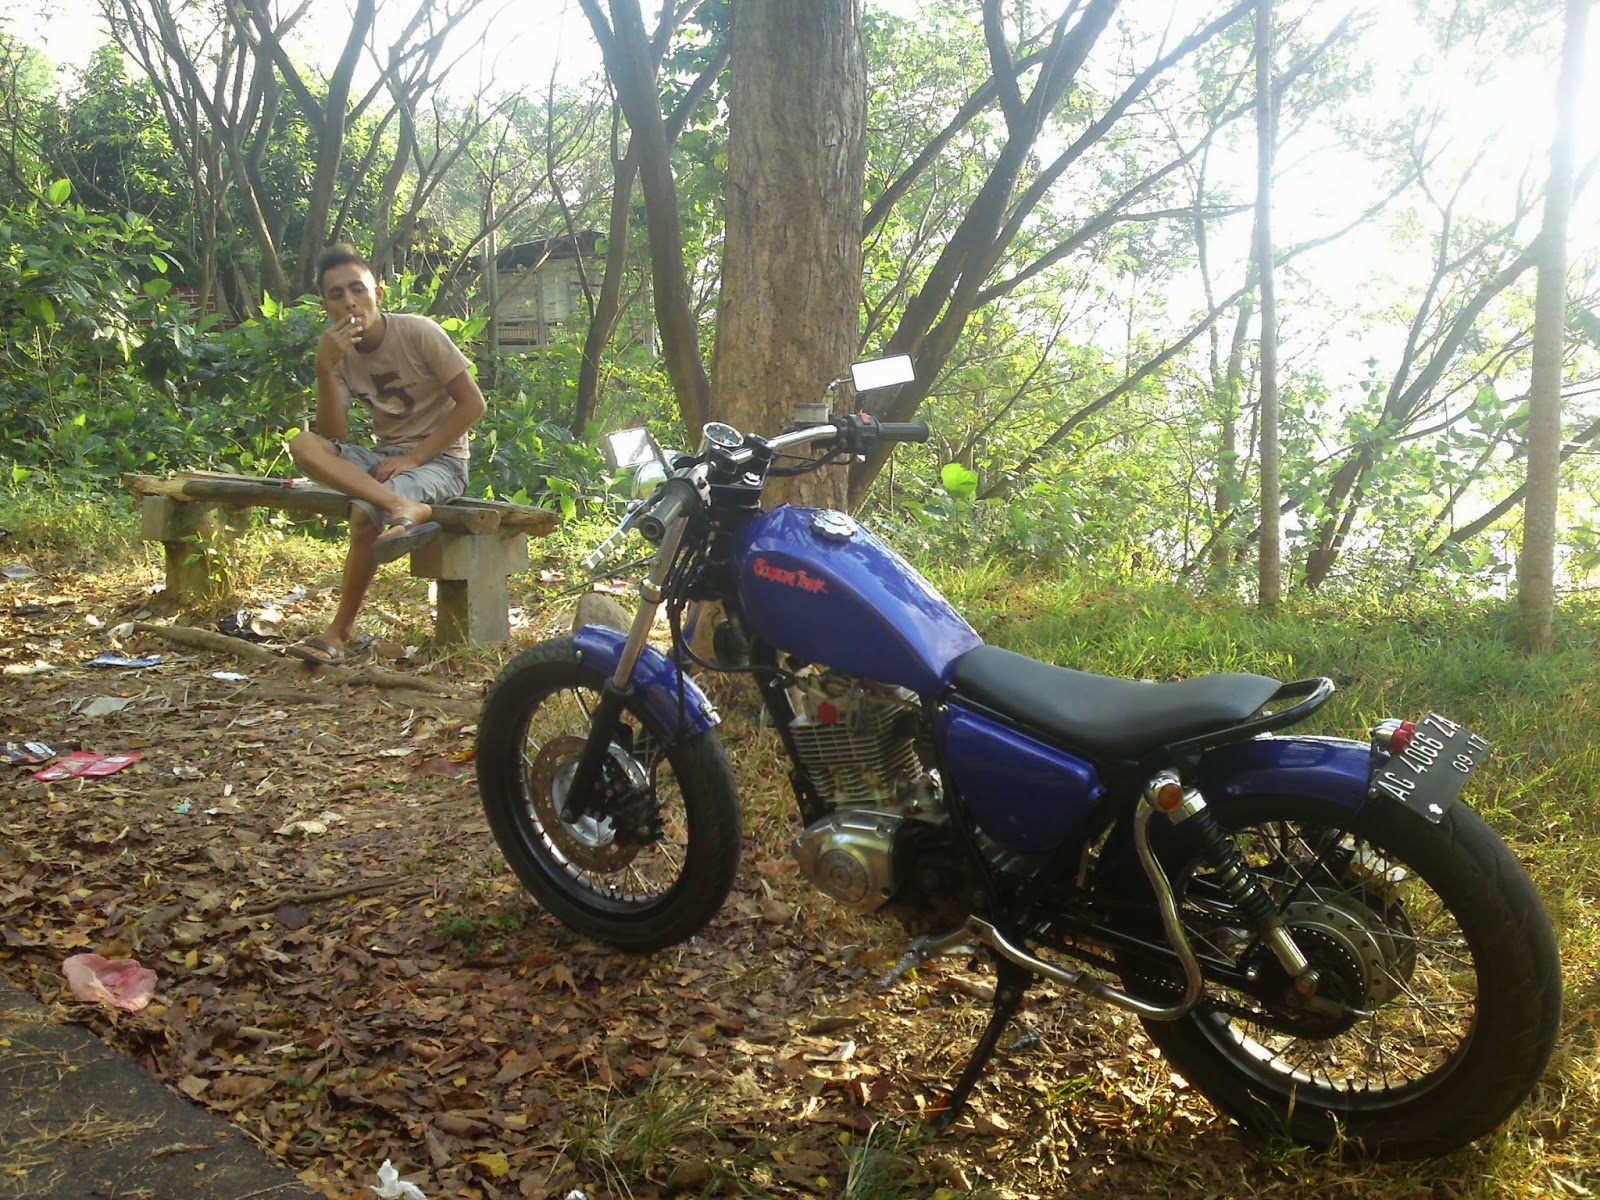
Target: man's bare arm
(469, 406)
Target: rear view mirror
(882, 372)
(630, 448)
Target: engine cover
(849, 855)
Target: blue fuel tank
(821, 586)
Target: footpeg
(929, 946)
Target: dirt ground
(349, 973)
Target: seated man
(423, 400)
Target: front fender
(656, 681)
(1324, 768)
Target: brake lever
(608, 547)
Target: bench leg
(183, 528)
(470, 572)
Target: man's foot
(322, 651)
(405, 534)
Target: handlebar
(903, 431)
(855, 433)
(859, 432)
(678, 495)
(606, 548)
(689, 489)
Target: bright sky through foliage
(1498, 102)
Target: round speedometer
(716, 434)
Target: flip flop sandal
(315, 650)
(389, 546)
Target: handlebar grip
(678, 496)
(903, 431)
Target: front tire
(637, 893)
(1434, 931)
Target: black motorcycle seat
(1116, 718)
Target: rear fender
(1323, 768)
(1333, 770)
(656, 682)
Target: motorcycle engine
(883, 838)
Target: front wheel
(647, 876)
(1435, 950)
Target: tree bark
(1536, 562)
(791, 268)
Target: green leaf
(40, 309)
(959, 482)
(59, 191)
(157, 288)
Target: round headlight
(648, 477)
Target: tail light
(1392, 736)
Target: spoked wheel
(658, 865)
(1439, 988)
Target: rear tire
(637, 895)
(1435, 929)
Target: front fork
(583, 798)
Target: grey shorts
(437, 481)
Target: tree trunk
(631, 63)
(1271, 562)
(791, 268)
(1230, 396)
(608, 305)
(1537, 559)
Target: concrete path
(79, 1121)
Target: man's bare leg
(359, 570)
(318, 458)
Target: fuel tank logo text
(795, 579)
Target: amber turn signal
(1169, 796)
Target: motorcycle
(1317, 933)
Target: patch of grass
(474, 934)
(646, 1136)
(882, 1166)
(46, 519)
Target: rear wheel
(654, 871)
(1432, 947)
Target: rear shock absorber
(1185, 806)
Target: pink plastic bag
(119, 982)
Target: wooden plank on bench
(303, 498)
(521, 517)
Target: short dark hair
(341, 254)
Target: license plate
(1428, 774)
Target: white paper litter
(392, 1187)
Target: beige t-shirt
(403, 381)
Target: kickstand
(1011, 983)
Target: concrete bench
(483, 542)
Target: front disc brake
(588, 842)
